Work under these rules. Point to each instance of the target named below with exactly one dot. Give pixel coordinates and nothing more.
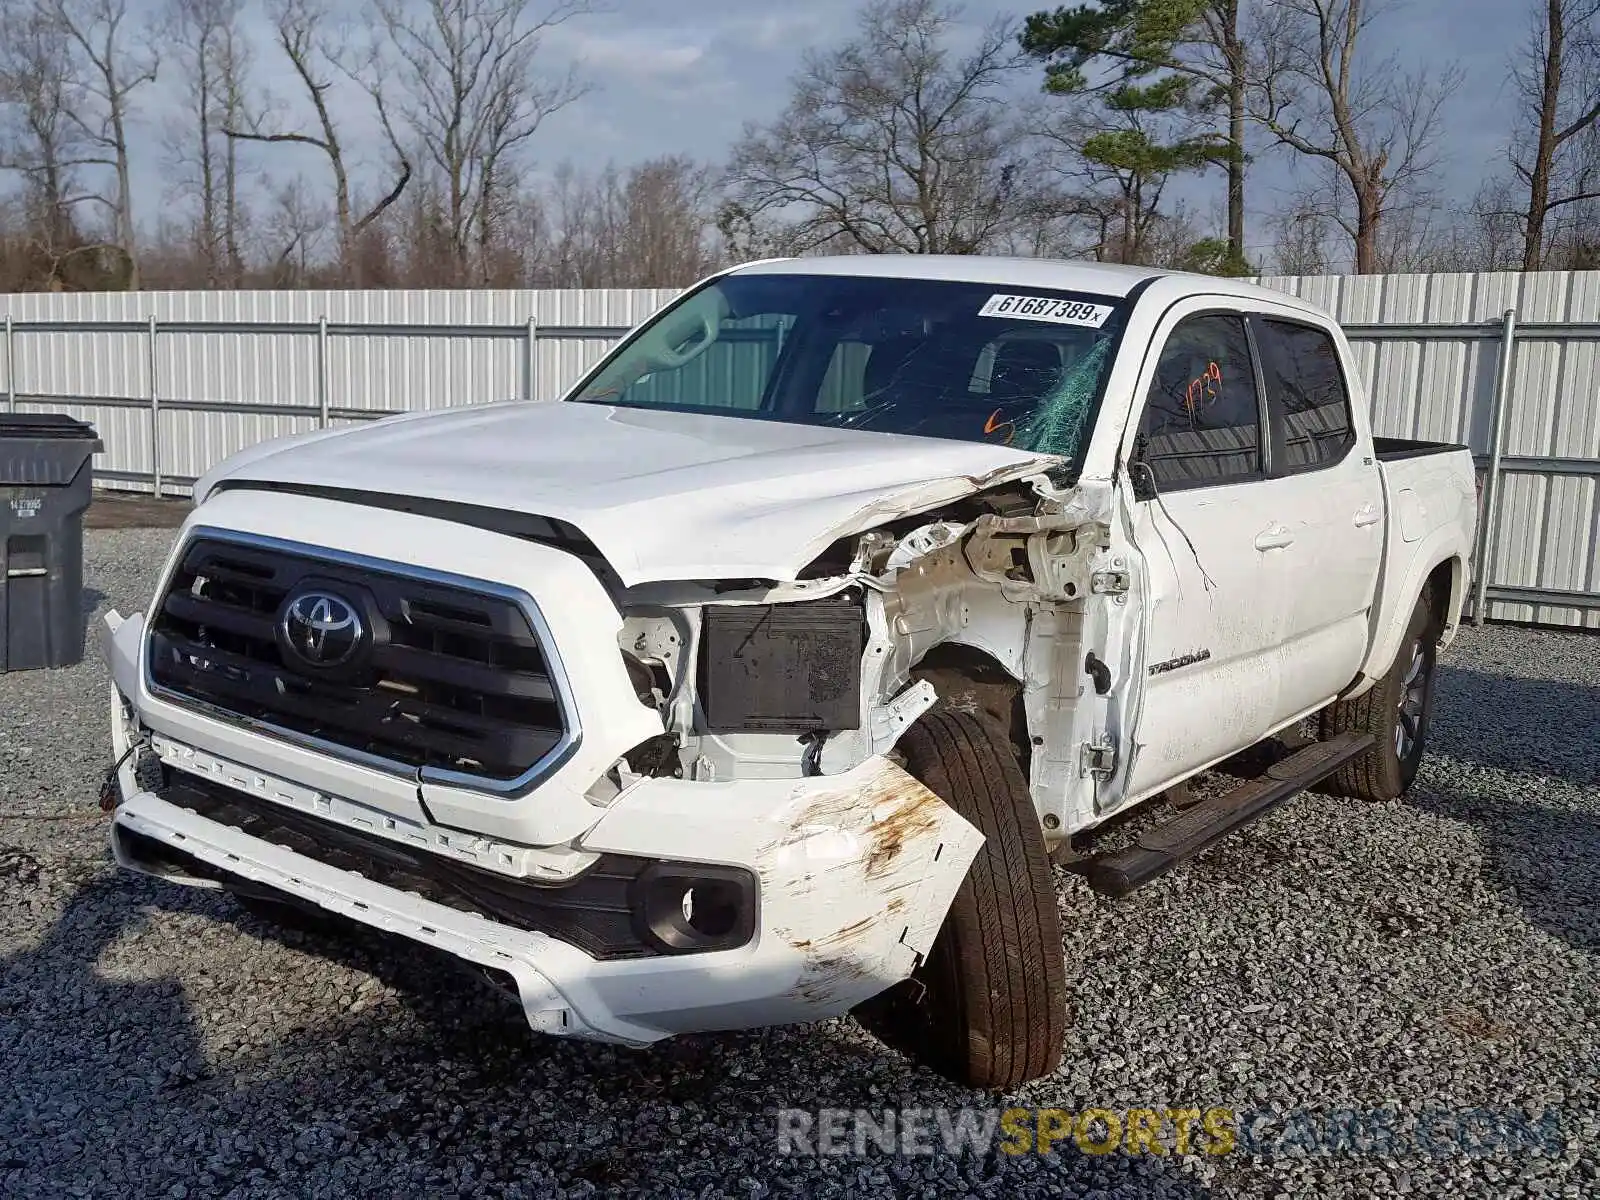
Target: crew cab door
(1210, 526)
(1332, 505)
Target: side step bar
(1166, 845)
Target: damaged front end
(987, 604)
(724, 872)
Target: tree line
(404, 151)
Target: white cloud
(775, 30)
(641, 53)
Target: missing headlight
(652, 683)
(782, 668)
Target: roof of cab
(1107, 279)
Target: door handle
(1366, 516)
(1274, 537)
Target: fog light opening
(710, 909)
(687, 909)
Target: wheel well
(968, 680)
(1440, 591)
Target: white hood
(662, 495)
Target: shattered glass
(1060, 423)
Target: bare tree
(1575, 233)
(463, 77)
(667, 216)
(418, 220)
(212, 55)
(1176, 240)
(1491, 231)
(1377, 126)
(892, 141)
(1415, 238)
(652, 225)
(293, 234)
(299, 29)
(1558, 79)
(1300, 238)
(38, 140)
(747, 236)
(115, 57)
(233, 56)
(1485, 234)
(1102, 218)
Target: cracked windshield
(964, 361)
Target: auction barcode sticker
(1044, 308)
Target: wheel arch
(1448, 584)
(970, 679)
(1439, 561)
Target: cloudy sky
(682, 76)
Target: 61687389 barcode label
(1044, 308)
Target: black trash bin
(45, 485)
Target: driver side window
(1202, 420)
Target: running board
(1166, 845)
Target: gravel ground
(1418, 958)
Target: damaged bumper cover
(850, 878)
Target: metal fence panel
(228, 369)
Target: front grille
(591, 911)
(448, 679)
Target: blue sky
(683, 77)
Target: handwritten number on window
(1203, 390)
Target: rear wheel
(1395, 710)
(988, 1006)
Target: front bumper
(855, 872)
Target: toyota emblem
(321, 629)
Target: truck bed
(1431, 501)
(1396, 449)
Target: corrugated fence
(175, 381)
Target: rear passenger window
(1306, 393)
(1202, 423)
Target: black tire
(988, 1008)
(1396, 711)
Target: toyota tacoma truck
(766, 676)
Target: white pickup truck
(761, 679)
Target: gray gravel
(1420, 958)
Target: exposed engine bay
(979, 605)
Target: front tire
(1396, 711)
(988, 1006)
